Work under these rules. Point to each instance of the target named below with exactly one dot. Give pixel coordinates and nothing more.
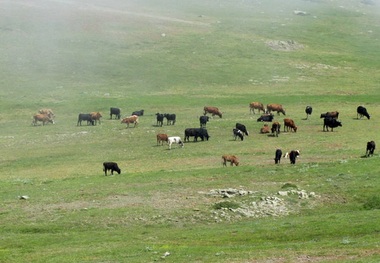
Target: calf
(361, 111)
(289, 124)
(95, 116)
(371, 146)
(131, 119)
(138, 113)
(242, 128)
(277, 156)
(116, 112)
(308, 111)
(275, 128)
(331, 122)
(330, 114)
(161, 138)
(44, 118)
(111, 166)
(293, 155)
(238, 133)
(160, 119)
(275, 107)
(171, 118)
(266, 118)
(175, 139)
(232, 159)
(213, 110)
(256, 105)
(85, 117)
(265, 129)
(203, 120)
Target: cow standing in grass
(277, 156)
(293, 156)
(212, 110)
(275, 128)
(289, 124)
(232, 159)
(275, 107)
(203, 120)
(330, 122)
(131, 119)
(116, 112)
(175, 139)
(160, 119)
(256, 105)
(85, 117)
(371, 146)
(161, 138)
(362, 111)
(95, 116)
(308, 111)
(111, 166)
(170, 118)
(44, 118)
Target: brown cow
(213, 110)
(332, 114)
(131, 119)
(275, 107)
(230, 158)
(95, 116)
(48, 112)
(256, 105)
(265, 129)
(161, 138)
(44, 118)
(289, 123)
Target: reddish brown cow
(44, 118)
(131, 119)
(256, 105)
(95, 116)
(232, 159)
(275, 107)
(265, 129)
(213, 110)
(289, 123)
(161, 138)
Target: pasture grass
(89, 57)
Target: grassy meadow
(177, 57)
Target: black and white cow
(277, 156)
(203, 120)
(308, 111)
(293, 156)
(362, 111)
(116, 112)
(242, 128)
(330, 122)
(160, 119)
(196, 132)
(238, 133)
(171, 118)
(266, 117)
(371, 146)
(111, 166)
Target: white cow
(174, 139)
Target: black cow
(111, 166)
(238, 133)
(85, 117)
(138, 113)
(203, 120)
(331, 122)
(371, 146)
(170, 118)
(308, 111)
(266, 117)
(242, 128)
(160, 119)
(277, 156)
(361, 111)
(116, 112)
(196, 132)
(293, 155)
(276, 126)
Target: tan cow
(275, 107)
(95, 116)
(48, 112)
(44, 118)
(213, 110)
(289, 123)
(232, 159)
(265, 129)
(256, 105)
(131, 119)
(161, 138)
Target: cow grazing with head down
(175, 139)
(95, 116)
(289, 124)
(232, 159)
(308, 111)
(161, 138)
(277, 156)
(203, 120)
(265, 129)
(160, 119)
(242, 128)
(131, 119)
(256, 105)
(212, 110)
(116, 112)
(362, 111)
(196, 132)
(371, 146)
(293, 156)
(48, 112)
(275, 128)
(111, 166)
(330, 114)
(238, 133)
(44, 118)
(266, 118)
(170, 118)
(331, 122)
(275, 107)
(138, 113)
(85, 117)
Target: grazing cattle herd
(330, 120)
